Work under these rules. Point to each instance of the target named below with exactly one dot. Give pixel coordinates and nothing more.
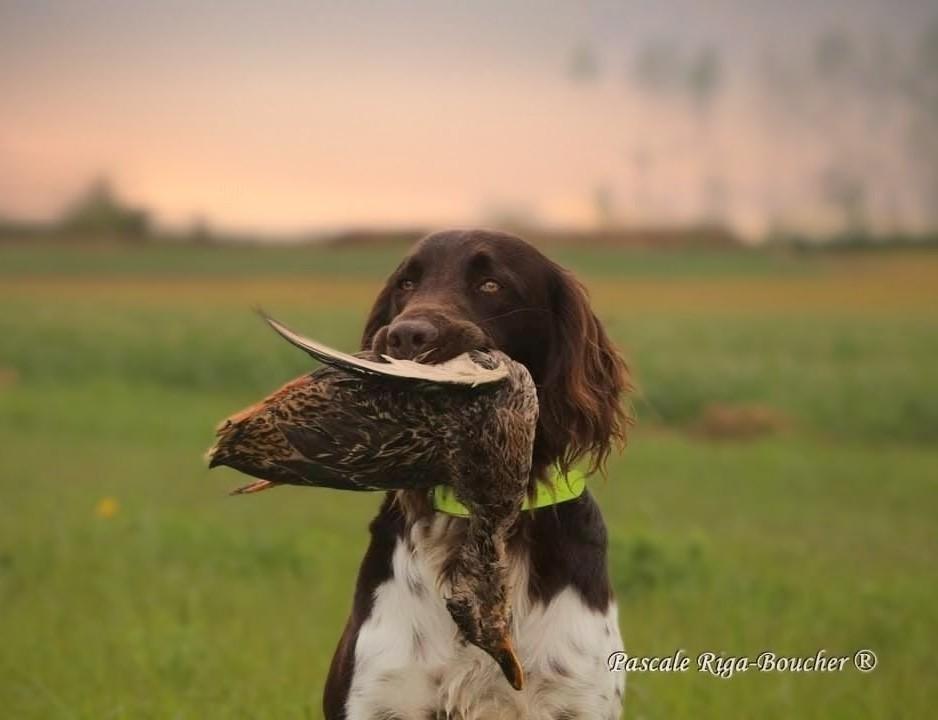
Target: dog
(399, 656)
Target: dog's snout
(409, 338)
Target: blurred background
(748, 189)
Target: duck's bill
(253, 487)
(511, 667)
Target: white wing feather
(460, 370)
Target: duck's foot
(253, 487)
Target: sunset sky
(292, 116)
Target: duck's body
(361, 424)
(334, 429)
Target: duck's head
(487, 625)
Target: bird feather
(461, 370)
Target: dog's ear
(379, 315)
(581, 411)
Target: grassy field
(131, 586)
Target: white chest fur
(410, 664)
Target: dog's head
(462, 290)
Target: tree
(846, 191)
(704, 78)
(584, 65)
(99, 212)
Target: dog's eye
(490, 286)
(407, 285)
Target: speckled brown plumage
(469, 423)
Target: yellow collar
(560, 489)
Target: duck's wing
(331, 429)
(355, 458)
(461, 370)
(394, 439)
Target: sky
(288, 117)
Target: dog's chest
(410, 663)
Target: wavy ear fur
(581, 413)
(379, 316)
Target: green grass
(110, 259)
(190, 604)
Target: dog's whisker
(424, 355)
(513, 312)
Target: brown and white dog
(400, 657)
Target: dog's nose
(409, 338)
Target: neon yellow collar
(560, 489)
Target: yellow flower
(107, 507)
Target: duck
(363, 423)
